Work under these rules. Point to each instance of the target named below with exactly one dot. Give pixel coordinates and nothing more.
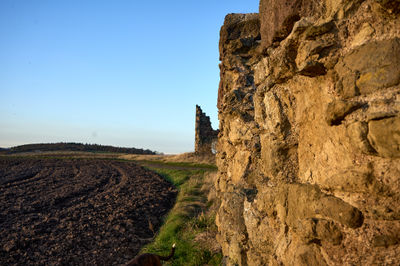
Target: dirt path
(77, 211)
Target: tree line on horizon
(71, 146)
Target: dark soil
(78, 211)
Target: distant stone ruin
(205, 136)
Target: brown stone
(328, 231)
(358, 135)
(392, 6)
(370, 67)
(279, 16)
(384, 136)
(305, 201)
(308, 159)
(239, 35)
(385, 241)
(339, 109)
(314, 31)
(241, 29)
(309, 56)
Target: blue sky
(122, 73)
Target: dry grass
(188, 157)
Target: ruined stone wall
(309, 145)
(205, 136)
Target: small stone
(363, 35)
(385, 241)
(384, 136)
(339, 109)
(10, 245)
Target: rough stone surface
(384, 136)
(279, 16)
(309, 143)
(370, 67)
(205, 137)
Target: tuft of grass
(187, 220)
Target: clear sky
(116, 72)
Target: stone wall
(309, 144)
(205, 136)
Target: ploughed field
(78, 211)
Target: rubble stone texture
(309, 143)
(205, 136)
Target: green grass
(186, 220)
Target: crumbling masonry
(309, 143)
(205, 136)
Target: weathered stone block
(278, 17)
(384, 136)
(358, 135)
(385, 241)
(239, 28)
(306, 201)
(363, 36)
(328, 231)
(392, 6)
(309, 56)
(368, 68)
(239, 39)
(337, 111)
(350, 180)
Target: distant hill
(74, 147)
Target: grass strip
(187, 220)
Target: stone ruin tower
(205, 136)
